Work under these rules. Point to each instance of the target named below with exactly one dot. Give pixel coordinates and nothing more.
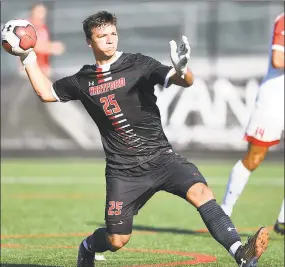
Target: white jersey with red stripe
(277, 43)
(267, 119)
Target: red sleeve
(278, 35)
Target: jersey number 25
(110, 105)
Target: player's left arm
(156, 73)
(278, 44)
(180, 56)
(46, 46)
(184, 80)
(49, 47)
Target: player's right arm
(278, 43)
(39, 81)
(62, 90)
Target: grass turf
(49, 206)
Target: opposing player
(265, 126)
(44, 47)
(118, 93)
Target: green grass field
(49, 206)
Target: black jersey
(120, 99)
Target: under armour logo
(230, 229)
(242, 262)
(91, 83)
(120, 222)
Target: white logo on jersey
(120, 222)
(91, 83)
(230, 229)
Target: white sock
(234, 248)
(281, 214)
(237, 181)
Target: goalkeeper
(118, 93)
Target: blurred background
(229, 56)
(52, 167)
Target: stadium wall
(229, 48)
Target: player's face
(39, 13)
(104, 41)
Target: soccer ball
(18, 37)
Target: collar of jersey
(118, 54)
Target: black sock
(97, 242)
(219, 224)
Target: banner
(212, 114)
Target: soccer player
(44, 47)
(265, 126)
(118, 93)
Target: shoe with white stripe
(248, 255)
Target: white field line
(63, 180)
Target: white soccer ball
(18, 37)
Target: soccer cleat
(248, 255)
(85, 258)
(279, 228)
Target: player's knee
(254, 156)
(199, 194)
(118, 241)
(252, 161)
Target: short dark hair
(98, 20)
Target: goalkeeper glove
(28, 58)
(180, 56)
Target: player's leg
(223, 230)
(100, 241)
(114, 236)
(187, 182)
(240, 173)
(125, 196)
(263, 131)
(279, 226)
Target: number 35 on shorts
(115, 208)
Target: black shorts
(129, 189)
